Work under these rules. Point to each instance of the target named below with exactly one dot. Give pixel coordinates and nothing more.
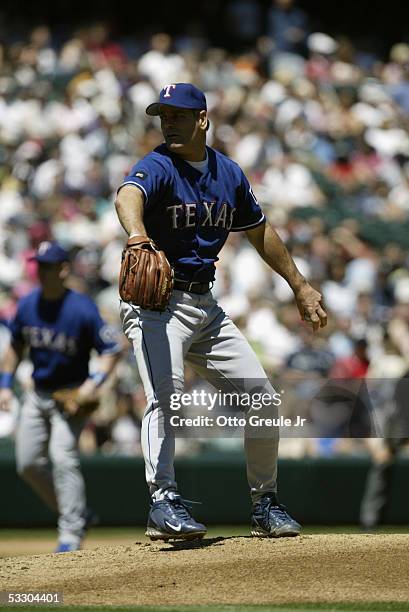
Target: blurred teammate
(187, 197)
(59, 327)
(384, 452)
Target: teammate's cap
(51, 252)
(182, 95)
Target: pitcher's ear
(203, 120)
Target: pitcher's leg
(158, 450)
(224, 357)
(160, 342)
(32, 437)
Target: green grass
(290, 607)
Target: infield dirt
(310, 568)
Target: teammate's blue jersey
(60, 335)
(189, 214)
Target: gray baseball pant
(376, 494)
(44, 435)
(378, 486)
(194, 329)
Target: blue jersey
(189, 214)
(60, 335)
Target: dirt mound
(222, 570)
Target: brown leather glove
(72, 403)
(146, 277)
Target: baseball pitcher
(178, 205)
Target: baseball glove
(73, 404)
(146, 277)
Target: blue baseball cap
(51, 252)
(181, 95)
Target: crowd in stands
(321, 129)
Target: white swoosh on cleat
(178, 528)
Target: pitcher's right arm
(129, 207)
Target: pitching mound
(309, 568)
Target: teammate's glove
(146, 278)
(73, 403)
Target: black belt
(191, 287)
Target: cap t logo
(43, 247)
(167, 90)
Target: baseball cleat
(156, 534)
(91, 519)
(64, 547)
(270, 519)
(170, 519)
